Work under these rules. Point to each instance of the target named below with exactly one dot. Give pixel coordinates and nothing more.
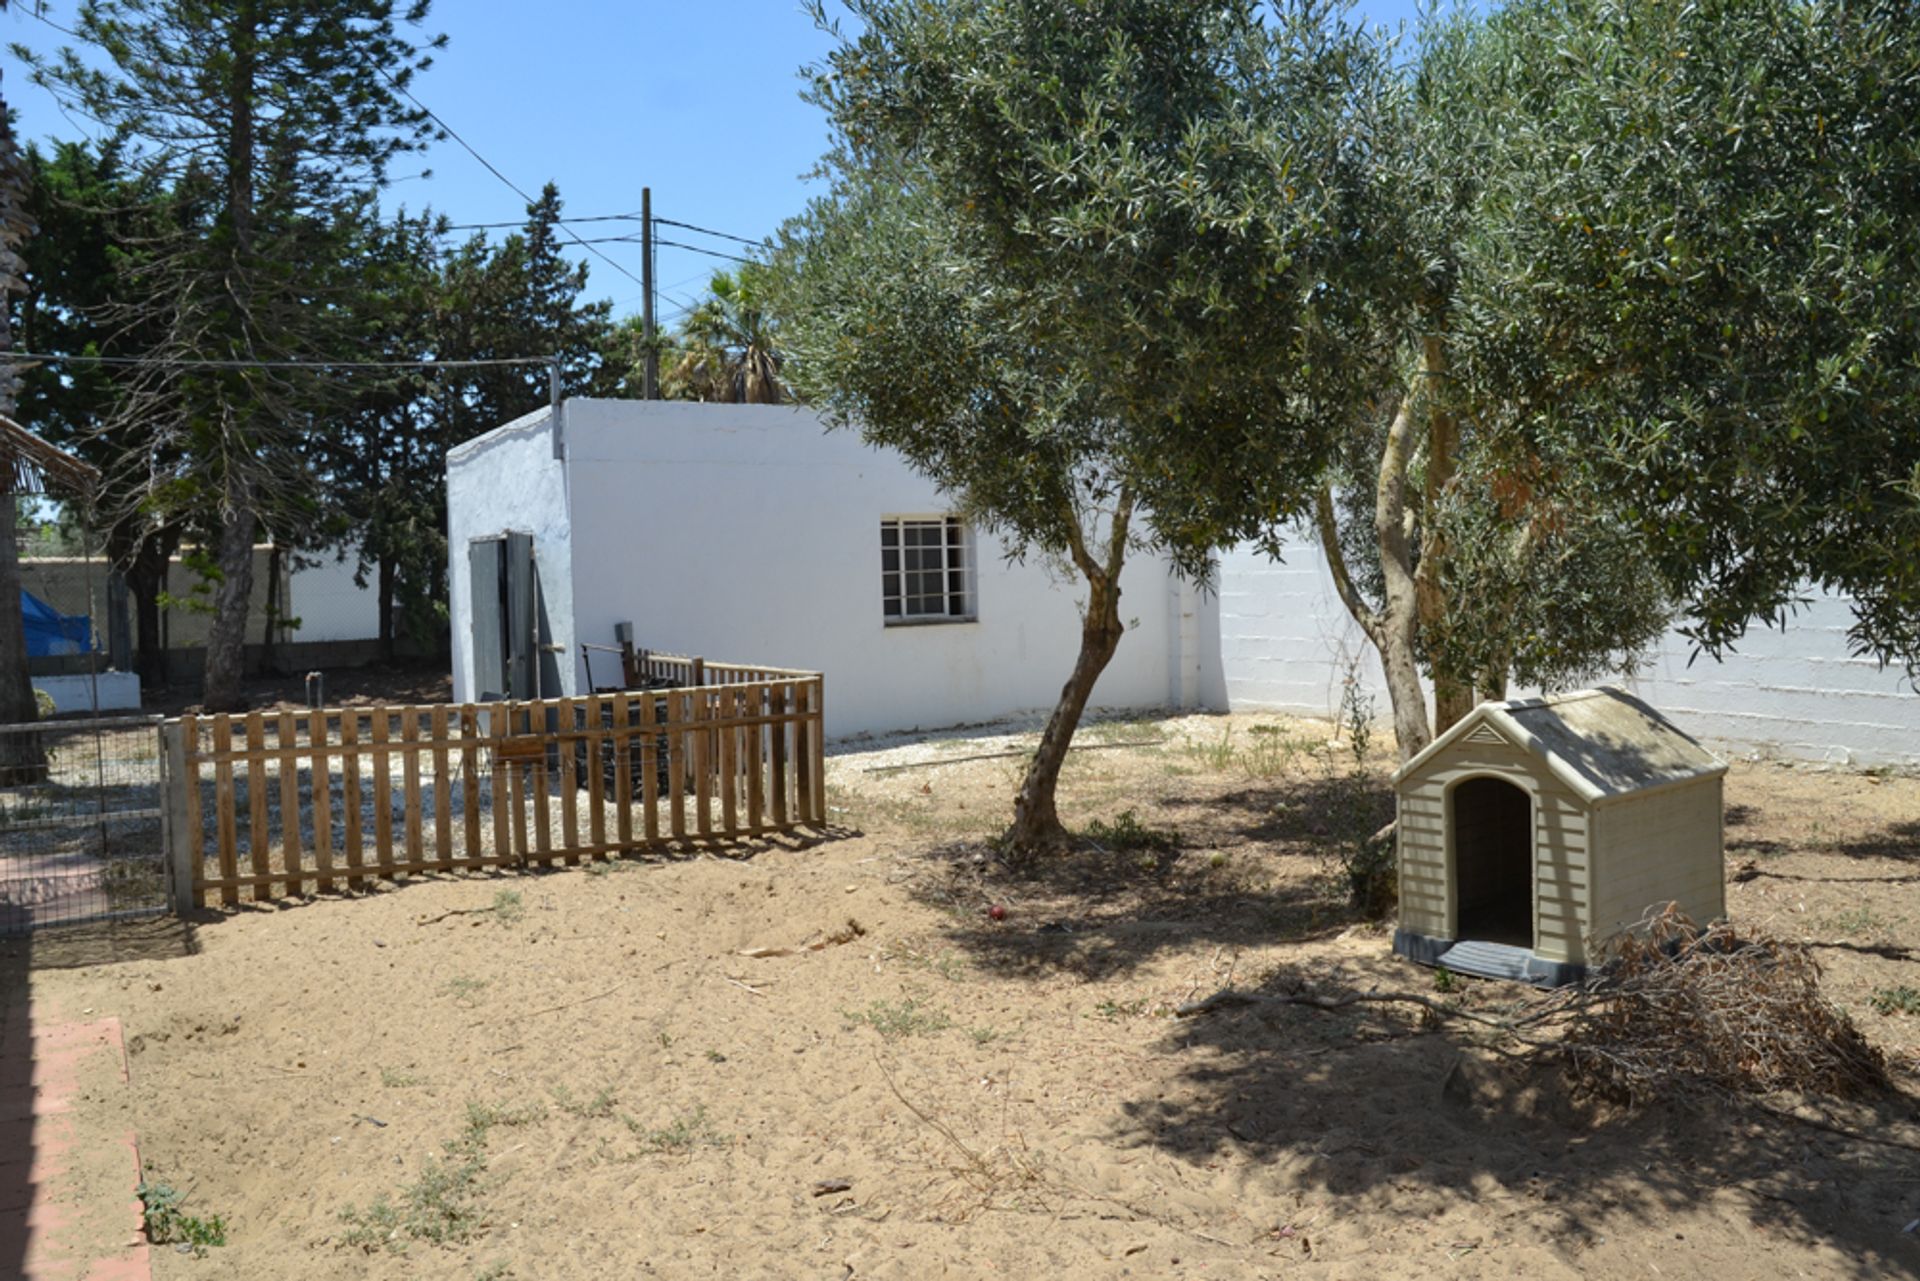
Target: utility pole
(646, 284)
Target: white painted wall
(1286, 642)
(751, 533)
(1797, 693)
(505, 480)
(329, 605)
(107, 692)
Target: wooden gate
(288, 802)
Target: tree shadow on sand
(1370, 1103)
(1254, 867)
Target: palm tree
(728, 347)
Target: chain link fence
(80, 822)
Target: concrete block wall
(1796, 694)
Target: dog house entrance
(1492, 861)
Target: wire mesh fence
(80, 822)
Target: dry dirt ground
(828, 1059)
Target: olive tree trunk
(1036, 819)
(1412, 599)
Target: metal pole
(556, 419)
(652, 387)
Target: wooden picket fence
(285, 803)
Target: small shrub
(442, 1206)
(507, 907)
(1127, 835)
(464, 988)
(897, 1019)
(167, 1223)
(599, 1105)
(1443, 979)
(683, 1134)
(1904, 999)
(1218, 756)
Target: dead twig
(552, 1009)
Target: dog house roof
(1602, 743)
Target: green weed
(683, 1134)
(894, 1020)
(599, 1105)
(442, 1206)
(1904, 999)
(167, 1223)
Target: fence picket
(517, 784)
(729, 698)
(543, 833)
(470, 777)
(442, 794)
(755, 757)
(702, 766)
(350, 796)
(383, 791)
(225, 805)
(410, 780)
(650, 740)
(596, 775)
(679, 752)
(568, 742)
(289, 736)
(500, 807)
(196, 839)
(778, 781)
(259, 841)
(802, 756)
(623, 762)
(320, 783)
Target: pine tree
(284, 116)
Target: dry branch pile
(1678, 1006)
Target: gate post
(182, 846)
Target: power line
(189, 362)
(708, 231)
(494, 226)
(711, 253)
(490, 168)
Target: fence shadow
(22, 1134)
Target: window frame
(956, 561)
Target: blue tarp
(50, 632)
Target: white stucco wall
(1286, 642)
(1796, 694)
(329, 605)
(506, 480)
(751, 533)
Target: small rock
(827, 1186)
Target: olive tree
(1659, 350)
(1104, 273)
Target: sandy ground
(826, 1059)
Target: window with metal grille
(926, 570)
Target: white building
(750, 533)
(753, 534)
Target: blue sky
(699, 100)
